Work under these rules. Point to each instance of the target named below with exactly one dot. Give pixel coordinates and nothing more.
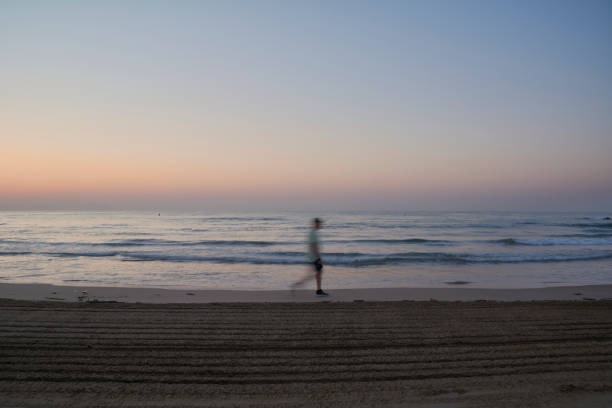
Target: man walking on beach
(314, 256)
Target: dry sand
(332, 354)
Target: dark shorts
(318, 266)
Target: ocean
(267, 251)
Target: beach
(256, 350)
(286, 204)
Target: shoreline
(48, 292)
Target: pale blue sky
(400, 105)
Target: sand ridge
(306, 354)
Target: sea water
(267, 251)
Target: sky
(357, 105)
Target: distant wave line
(560, 240)
(588, 225)
(162, 242)
(216, 219)
(151, 242)
(14, 253)
(554, 242)
(390, 241)
(413, 226)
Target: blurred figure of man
(314, 257)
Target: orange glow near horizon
(36, 172)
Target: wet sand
(332, 354)
(190, 295)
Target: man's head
(316, 223)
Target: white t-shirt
(313, 237)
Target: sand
(159, 295)
(331, 354)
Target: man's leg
(302, 281)
(319, 276)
